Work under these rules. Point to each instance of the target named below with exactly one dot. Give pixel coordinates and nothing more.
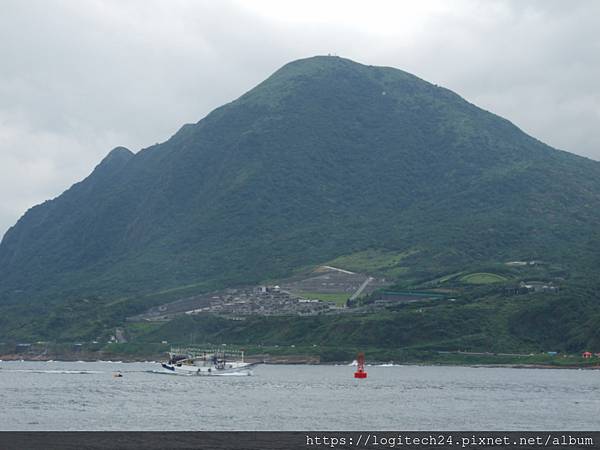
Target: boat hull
(195, 370)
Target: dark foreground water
(85, 396)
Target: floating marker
(360, 371)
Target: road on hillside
(361, 288)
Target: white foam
(232, 374)
(62, 372)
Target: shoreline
(115, 359)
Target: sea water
(85, 396)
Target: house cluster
(522, 263)
(527, 287)
(264, 290)
(262, 300)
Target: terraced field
(338, 298)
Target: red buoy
(360, 371)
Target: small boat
(206, 362)
(117, 375)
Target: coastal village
(327, 290)
(324, 290)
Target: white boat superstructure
(206, 362)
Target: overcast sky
(80, 77)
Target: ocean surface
(86, 396)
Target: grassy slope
(482, 278)
(338, 298)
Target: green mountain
(326, 158)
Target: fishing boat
(206, 362)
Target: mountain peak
(324, 61)
(115, 159)
(118, 153)
(317, 78)
(328, 63)
(317, 65)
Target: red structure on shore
(360, 371)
